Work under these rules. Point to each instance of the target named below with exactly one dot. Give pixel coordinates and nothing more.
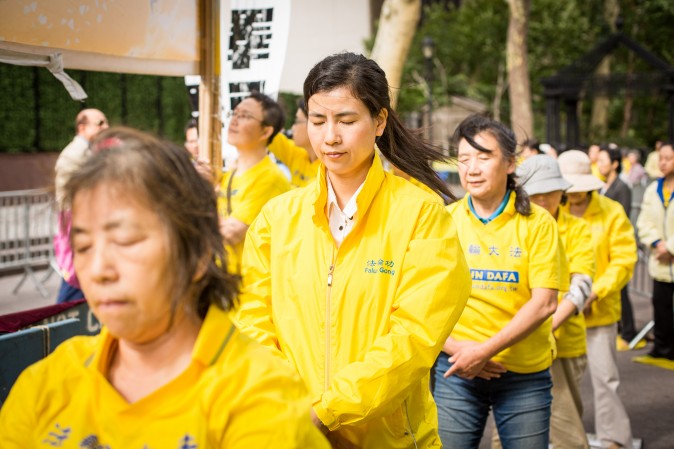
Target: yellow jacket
(362, 323)
(296, 158)
(616, 253)
(577, 243)
(656, 222)
(234, 394)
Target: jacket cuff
(326, 417)
(600, 292)
(655, 243)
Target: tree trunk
(600, 104)
(521, 116)
(397, 25)
(501, 86)
(629, 99)
(210, 123)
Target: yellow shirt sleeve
(296, 158)
(544, 255)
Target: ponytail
(406, 150)
(522, 203)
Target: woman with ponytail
(357, 279)
(499, 354)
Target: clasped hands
(470, 360)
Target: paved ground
(648, 392)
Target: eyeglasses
(99, 123)
(242, 115)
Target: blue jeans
(521, 404)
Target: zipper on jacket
(409, 425)
(331, 271)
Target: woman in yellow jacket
(656, 229)
(499, 354)
(357, 279)
(169, 369)
(616, 253)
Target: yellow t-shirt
(508, 257)
(234, 394)
(296, 158)
(666, 195)
(577, 242)
(596, 173)
(248, 193)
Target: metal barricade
(641, 283)
(27, 227)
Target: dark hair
(162, 175)
(533, 144)
(665, 143)
(614, 156)
(302, 106)
(475, 124)
(191, 123)
(272, 113)
(367, 82)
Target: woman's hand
(587, 309)
(491, 370)
(661, 254)
(336, 441)
(469, 359)
(318, 423)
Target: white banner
(253, 50)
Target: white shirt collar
(341, 221)
(351, 206)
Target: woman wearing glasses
(256, 179)
(357, 279)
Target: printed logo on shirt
(58, 436)
(188, 442)
(91, 442)
(374, 266)
(511, 277)
(515, 251)
(493, 250)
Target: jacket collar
(562, 219)
(215, 334)
(594, 207)
(373, 181)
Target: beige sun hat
(540, 174)
(577, 169)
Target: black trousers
(626, 325)
(663, 316)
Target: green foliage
(288, 102)
(39, 115)
(17, 114)
(470, 51)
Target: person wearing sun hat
(615, 250)
(543, 182)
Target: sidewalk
(646, 391)
(27, 297)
